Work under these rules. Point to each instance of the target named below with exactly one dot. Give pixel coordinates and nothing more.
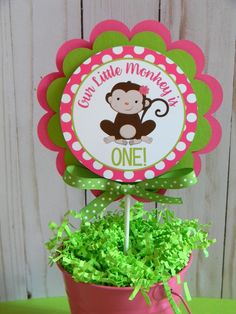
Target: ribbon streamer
(82, 178)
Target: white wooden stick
(127, 222)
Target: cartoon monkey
(128, 100)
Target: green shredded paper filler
(160, 246)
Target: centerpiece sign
(129, 113)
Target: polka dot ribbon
(83, 179)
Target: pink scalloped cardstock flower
(151, 35)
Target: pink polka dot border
(180, 80)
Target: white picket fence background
(31, 191)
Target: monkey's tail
(159, 112)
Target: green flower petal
(56, 137)
(149, 40)
(54, 93)
(74, 59)
(186, 162)
(70, 159)
(108, 40)
(204, 96)
(185, 62)
(203, 135)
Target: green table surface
(60, 306)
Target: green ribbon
(82, 178)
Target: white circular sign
(128, 114)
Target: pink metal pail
(95, 299)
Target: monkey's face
(130, 102)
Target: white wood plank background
(31, 191)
